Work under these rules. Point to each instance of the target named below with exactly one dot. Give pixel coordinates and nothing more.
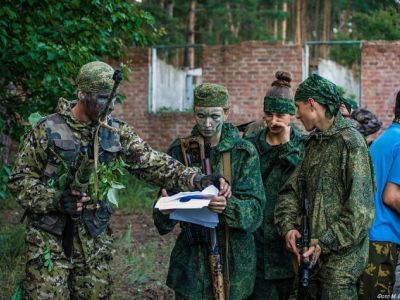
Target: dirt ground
(143, 230)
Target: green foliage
(44, 43)
(5, 172)
(109, 176)
(47, 262)
(218, 22)
(378, 25)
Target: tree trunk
(284, 22)
(190, 38)
(326, 28)
(169, 7)
(304, 18)
(276, 23)
(232, 28)
(298, 22)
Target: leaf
(117, 185)
(112, 196)
(62, 181)
(34, 118)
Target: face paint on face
(96, 104)
(209, 120)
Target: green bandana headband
(211, 95)
(279, 105)
(324, 92)
(95, 77)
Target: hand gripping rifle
(305, 267)
(194, 151)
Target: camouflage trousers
(86, 275)
(377, 280)
(278, 289)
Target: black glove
(202, 181)
(69, 203)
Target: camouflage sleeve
(357, 213)
(288, 204)
(245, 208)
(163, 223)
(152, 166)
(26, 181)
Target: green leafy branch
(109, 184)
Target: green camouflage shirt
(37, 196)
(336, 177)
(277, 163)
(189, 271)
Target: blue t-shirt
(385, 153)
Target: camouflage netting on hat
(324, 92)
(366, 122)
(211, 95)
(95, 77)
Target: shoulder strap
(227, 172)
(226, 166)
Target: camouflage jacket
(336, 177)
(47, 148)
(189, 271)
(277, 163)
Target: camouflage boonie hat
(95, 77)
(211, 95)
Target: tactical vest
(65, 148)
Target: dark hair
(397, 106)
(281, 86)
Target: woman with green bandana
(239, 216)
(280, 147)
(335, 176)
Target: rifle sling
(227, 172)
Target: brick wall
(380, 78)
(247, 70)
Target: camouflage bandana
(95, 77)
(324, 92)
(279, 105)
(211, 95)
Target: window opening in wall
(338, 61)
(174, 73)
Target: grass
(12, 264)
(137, 196)
(140, 266)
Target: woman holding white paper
(239, 216)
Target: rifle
(80, 182)
(306, 265)
(117, 77)
(194, 151)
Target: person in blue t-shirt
(378, 278)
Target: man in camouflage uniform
(280, 147)
(67, 232)
(336, 177)
(240, 215)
